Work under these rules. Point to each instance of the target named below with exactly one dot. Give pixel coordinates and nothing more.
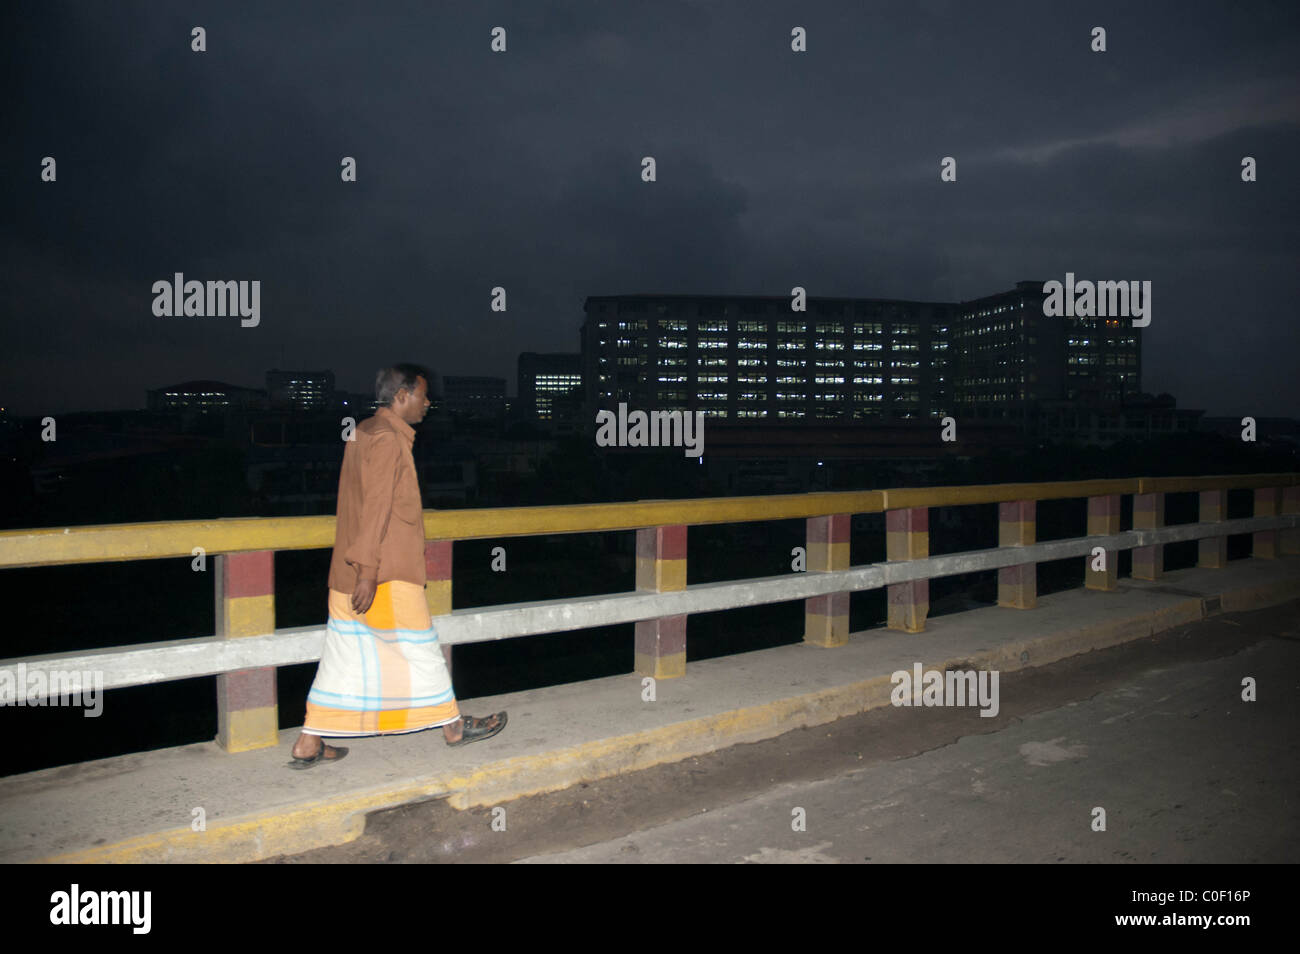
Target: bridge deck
(139, 807)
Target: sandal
(475, 730)
(301, 763)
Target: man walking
(382, 671)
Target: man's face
(411, 406)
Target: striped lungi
(382, 672)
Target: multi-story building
(547, 383)
(204, 397)
(744, 358)
(1008, 357)
(749, 358)
(300, 390)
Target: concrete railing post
(1018, 527)
(248, 715)
(437, 588)
(1212, 552)
(907, 537)
(1103, 521)
(1288, 541)
(826, 618)
(1263, 543)
(661, 568)
(1148, 514)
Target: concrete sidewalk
(139, 808)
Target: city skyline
(523, 170)
(276, 379)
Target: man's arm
(379, 470)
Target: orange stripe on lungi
(382, 672)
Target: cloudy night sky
(523, 169)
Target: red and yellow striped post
(1018, 527)
(437, 588)
(826, 618)
(1288, 541)
(907, 537)
(1148, 514)
(1263, 543)
(661, 568)
(1212, 552)
(1103, 521)
(248, 715)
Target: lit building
(1008, 357)
(204, 396)
(300, 390)
(753, 359)
(748, 358)
(550, 386)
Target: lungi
(383, 672)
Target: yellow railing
(243, 553)
(178, 538)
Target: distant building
(356, 403)
(303, 477)
(474, 398)
(205, 396)
(1008, 357)
(1275, 433)
(300, 390)
(550, 387)
(750, 359)
(1102, 422)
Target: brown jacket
(380, 531)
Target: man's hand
(363, 594)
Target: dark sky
(522, 169)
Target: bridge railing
(246, 648)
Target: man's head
(404, 389)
